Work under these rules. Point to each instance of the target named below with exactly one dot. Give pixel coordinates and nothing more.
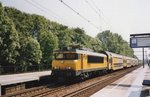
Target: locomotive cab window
(95, 59)
(66, 56)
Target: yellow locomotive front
(66, 63)
(78, 62)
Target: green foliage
(9, 41)
(114, 43)
(64, 38)
(48, 43)
(30, 52)
(79, 37)
(37, 27)
(79, 31)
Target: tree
(48, 43)
(79, 31)
(106, 39)
(114, 43)
(64, 38)
(9, 41)
(96, 44)
(30, 53)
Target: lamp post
(143, 56)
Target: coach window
(95, 59)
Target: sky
(124, 17)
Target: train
(80, 62)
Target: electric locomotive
(82, 62)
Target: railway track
(90, 87)
(85, 88)
(34, 91)
(94, 87)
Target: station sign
(140, 40)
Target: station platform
(131, 85)
(21, 78)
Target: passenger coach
(114, 61)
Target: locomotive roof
(82, 52)
(90, 53)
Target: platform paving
(23, 77)
(128, 86)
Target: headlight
(55, 67)
(68, 67)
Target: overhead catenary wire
(92, 7)
(48, 10)
(33, 5)
(40, 8)
(78, 14)
(94, 11)
(96, 6)
(101, 13)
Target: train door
(82, 58)
(110, 62)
